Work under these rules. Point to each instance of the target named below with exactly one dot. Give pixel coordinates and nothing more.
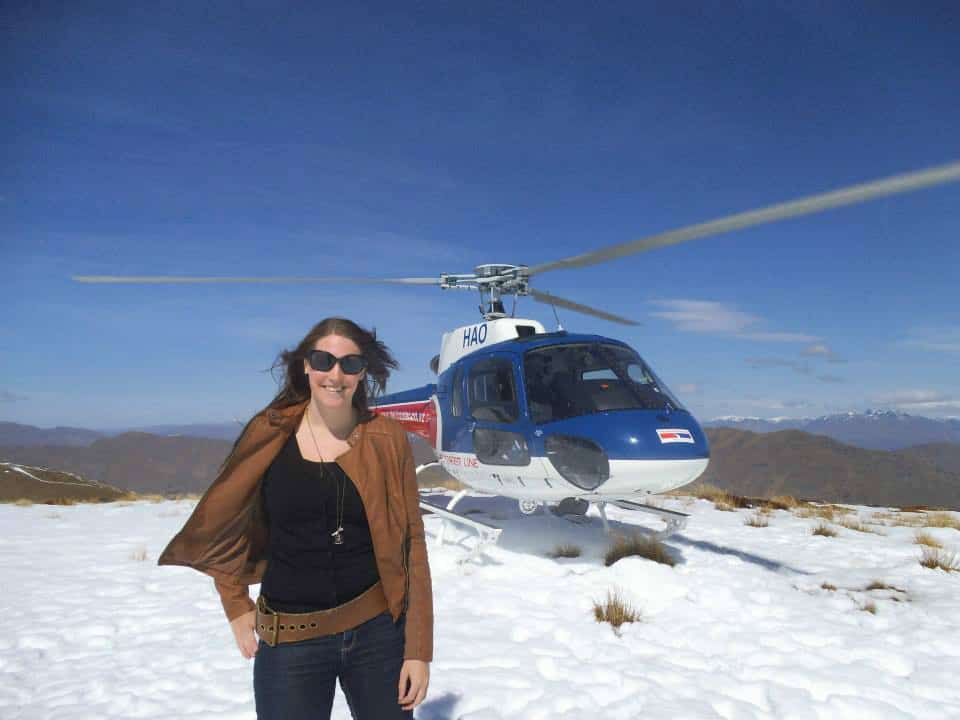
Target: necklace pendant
(338, 536)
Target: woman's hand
(414, 679)
(243, 633)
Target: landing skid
(675, 521)
(486, 534)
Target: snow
(740, 628)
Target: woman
(318, 502)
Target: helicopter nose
(616, 453)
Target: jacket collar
(288, 418)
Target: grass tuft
(881, 585)
(756, 520)
(564, 551)
(925, 538)
(824, 530)
(870, 606)
(828, 586)
(721, 499)
(784, 502)
(941, 520)
(615, 610)
(60, 501)
(649, 548)
(858, 525)
(938, 559)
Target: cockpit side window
(492, 394)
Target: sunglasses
(323, 361)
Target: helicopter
(557, 419)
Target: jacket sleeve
(419, 625)
(235, 599)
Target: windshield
(568, 380)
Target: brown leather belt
(280, 627)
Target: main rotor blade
(549, 299)
(182, 279)
(907, 182)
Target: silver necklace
(341, 491)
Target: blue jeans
(296, 681)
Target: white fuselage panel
(540, 481)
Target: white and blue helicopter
(556, 418)
(548, 418)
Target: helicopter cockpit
(564, 381)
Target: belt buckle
(269, 634)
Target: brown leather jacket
(226, 535)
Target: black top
(306, 570)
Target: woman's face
(333, 388)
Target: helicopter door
(494, 408)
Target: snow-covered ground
(740, 628)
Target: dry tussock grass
(870, 606)
(899, 519)
(649, 548)
(858, 525)
(824, 530)
(925, 538)
(828, 586)
(824, 512)
(615, 610)
(756, 520)
(61, 501)
(941, 520)
(721, 499)
(565, 551)
(787, 502)
(939, 559)
(881, 585)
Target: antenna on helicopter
(555, 315)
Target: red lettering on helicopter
(419, 417)
(470, 462)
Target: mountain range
(787, 462)
(873, 429)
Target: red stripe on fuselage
(419, 417)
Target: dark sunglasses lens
(321, 360)
(352, 364)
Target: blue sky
(310, 138)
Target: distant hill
(28, 435)
(24, 482)
(945, 456)
(792, 462)
(134, 461)
(218, 431)
(789, 462)
(873, 429)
